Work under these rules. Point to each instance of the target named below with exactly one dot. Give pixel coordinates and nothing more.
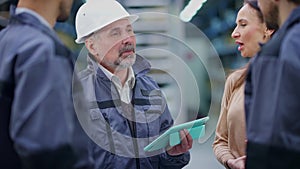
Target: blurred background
(189, 45)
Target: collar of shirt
(31, 12)
(125, 91)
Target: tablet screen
(171, 137)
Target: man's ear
(90, 45)
(269, 32)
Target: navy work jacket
(120, 131)
(272, 100)
(39, 128)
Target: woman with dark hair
(230, 141)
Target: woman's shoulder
(234, 76)
(230, 85)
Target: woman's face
(249, 31)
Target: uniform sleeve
(220, 144)
(290, 47)
(174, 162)
(42, 112)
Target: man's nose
(128, 39)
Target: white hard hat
(96, 14)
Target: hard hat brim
(131, 18)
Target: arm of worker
(178, 156)
(42, 117)
(184, 146)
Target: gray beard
(125, 63)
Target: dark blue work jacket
(120, 131)
(272, 97)
(38, 123)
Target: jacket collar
(33, 13)
(31, 20)
(293, 18)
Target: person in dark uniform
(39, 128)
(272, 92)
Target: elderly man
(127, 108)
(273, 93)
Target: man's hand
(184, 146)
(238, 163)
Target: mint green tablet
(171, 137)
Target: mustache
(127, 48)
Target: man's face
(115, 45)
(270, 11)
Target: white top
(125, 92)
